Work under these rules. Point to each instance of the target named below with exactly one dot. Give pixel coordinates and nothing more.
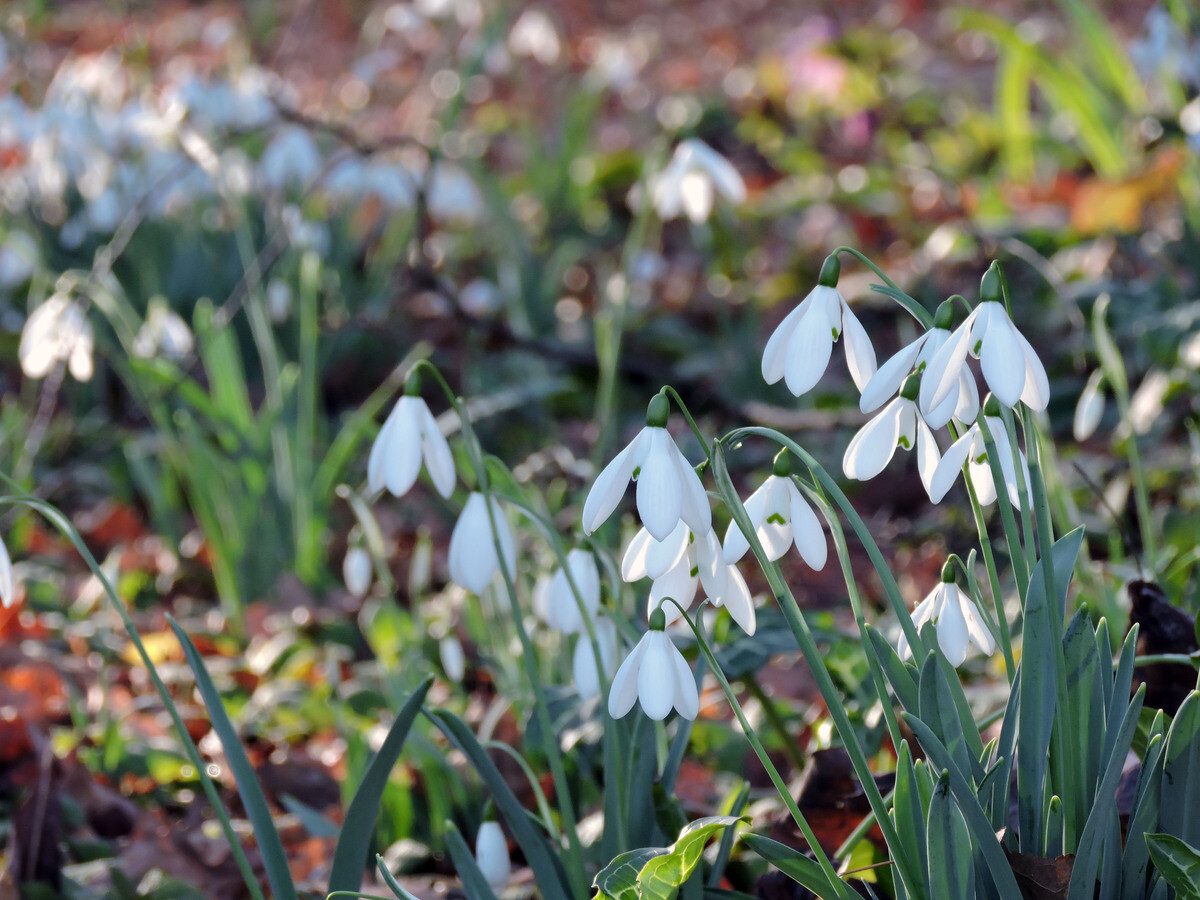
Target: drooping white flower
(900, 424)
(1010, 366)
(562, 611)
(656, 674)
(473, 559)
(535, 36)
(956, 619)
(57, 331)
(409, 437)
(781, 517)
(971, 449)
(583, 662)
(491, 855)
(8, 591)
(681, 563)
(1090, 408)
(356, 571)
(689, 181)
(962, 404)
(454, 661)
(799, 349)
(291, 158)
(165, 332)
(668, 488)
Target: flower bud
(782, 467)
(948, 571)
(945, 315)
(658, 619)
(989, 287)
(658, 411)
(491, 855)
(356, 570)
(831, 271)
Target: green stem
(915, 309)
(775, 720)
(667, 389)
(1016, 552)
(989, 562)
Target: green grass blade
(350, 856)
(257, 810)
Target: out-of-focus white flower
(473, 559)
(587, 679)
(970, 448)
(8, 590)
(163, 332)
(454, 662)
(562, 609)
(668, 488)
(291, 158)
(480, 298)
(781, 517)
(687, 184)
(491, 855)
(1090, 408)
(799, 349)
(303, 233)
(57, 331)
(1189, 350)
(956, 618)
(900, 424)
(279, 300)
(409, 437)
(682, 562)
(356, 571)
(1010, 366)
(454, 197)
(534, 35)
(1146, 404)
(656, 674)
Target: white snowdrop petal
(491, 855)
(872, 448)
(808, 352)
(774, 359)
(693, 508)
(609, 487)
(888, 378)
(952, 630)
(860, 355)
(725, 177)
(439, 459)
(583, 669)
(966, 406)
(356, 572)
(686, 699)
(623, 692)
(656, 676)
(736, 543)
(977, 630)
(659, 492)
(807, 532)
(633, 563)
(710, 562)
(1001, 358)
(662, 556)
(679, 584)
(928, 456)
(983, 482)
(1090, 408)
(947, 470)
(941, 375)
(8, 590)
(376, 476)
(738, 601)
(402, 462)
(1036, 393)
(696, 196)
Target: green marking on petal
(695, 571)
(776, 519)
(905, 443)
(637, 472)
(977, 348)
(835, 333)
(981, 459)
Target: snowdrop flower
(668, 488)
(587, 679)
(410, 436)
(165, 332)
(1090, 408)
(656, 674)
(491, 855)
(454, 661)
(562, 611)
(454, 197)
(473, 559)
(800, 347)
(962, 404)
(356, 571)
(57, 331)
(291, 158)
(688, 182)
(8, 590)
(900, 424)
(956, 619)
(1011, 368)
(971, 449)
(682, 562)
(534, 35)
(781, 517)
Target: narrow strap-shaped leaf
(794, 864)
(257, 810)
(350, 856)
(1181, 773)
(546, 864)
(1143, 819)
(899, 675)
(951, 870)
(475, 885)
(390, 880)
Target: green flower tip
(948, 571)
(658, 618)
(989, 287)
(831, 271)
(412, 384)
(991, 406)
(489, 811)
(658, 411)
(782, 467)
(911, 387)
(944, 315)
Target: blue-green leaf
(794, 864)
(1177, 861)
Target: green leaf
(545, 862)
(909, 814)
(349, 859)
(900, 675)
(1181, 773)
(390, 880)
(619, 879)
(662, 876)
(257, 810)
(951, 858)
(794, 864)
(475, 885)
(1145, 816)
(1177, 861)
